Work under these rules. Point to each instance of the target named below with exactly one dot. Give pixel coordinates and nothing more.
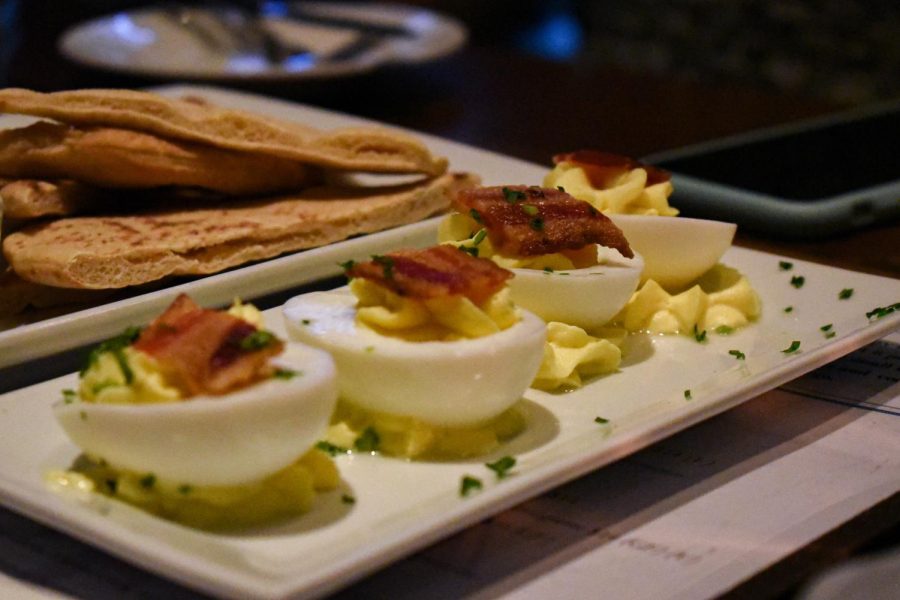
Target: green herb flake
(185, 489)
(845, 294)
(476, 216)
(387, 264)
(348, 499)
(700, 336)
(797, 281)
(69, 396)
(117, 346)
(826, 327)
(469, 484)
(512, 196)
(347, 264)
(112, 485)
(537, 224)
(286, 373)
(795, 345)
(330, 449)
(502, 466)
(828, 331)
(561, 188)
(257, 340)
(737, 354)
(548, 269)
(601, 420)
(688, 395)
(785, 265)
(470, 250)
(148, 481)
(530, 209)
(99, 387)
(724, 330)
(880, 312)
(788, 309)
(306, 321)
(368, 441)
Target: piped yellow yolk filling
(463, 232)
(627, 194)
(283, 494)
(571, 354)
(444, 318)
(720, 301)
(357, 429)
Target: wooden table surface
(491, 96)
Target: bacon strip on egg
(434, 272)
(204, 351)
(529, 221)
(603, 168)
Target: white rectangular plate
(402, 506)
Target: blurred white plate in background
(320, 39)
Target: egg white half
(213, 440)
(587, 298)
(676, 250)
(446, 384)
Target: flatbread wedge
(373, 149)
(112, 157)
(119, 251)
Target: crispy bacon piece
(200, 350)
(528, 221)
(602, 168)
(434, 272)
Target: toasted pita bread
(16, 295)
(113, 252)
(31, 199)
(362, 148)
(108, 157)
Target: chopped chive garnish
(387, 263)
(724, 330)
(330, 449)
(788, 309)
(257, 340)
(537, 224)
(687, 395)
(69, 396)
(368, 441)
(700, 336)
(737, 354)
(148, 481)
(306, 321)
(468, 485)
(347, 264)
(828, 330)
(348, 499)
(845, 293)
(882, 311)
(512, 196)
(185, 489)
(476, 216)
(115, 345)
(795, 345)
(479, 237)
(797, 281)
(785, 265)
(285, 373)
(548, 269)
(502, 466)
(112, 485)
(601, 420)
(561, 188)
(826, 327)
(99, 387)
(530, 209)
(470, 250)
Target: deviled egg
(432, 355)
(200, 413)
(572, 264)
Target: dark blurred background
(842, 51)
